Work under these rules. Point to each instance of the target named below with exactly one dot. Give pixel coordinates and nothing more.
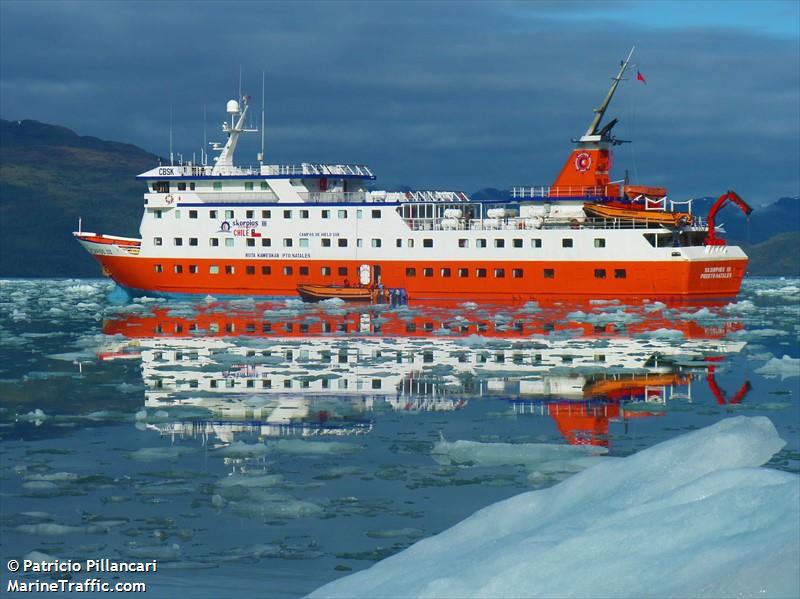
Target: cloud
(461, 95)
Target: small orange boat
(317, 293)
(674, 219)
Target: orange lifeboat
(317, 293)
(674, 219)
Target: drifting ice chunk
(783, 367)
(498, 454)
(693, 516)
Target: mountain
(50, 176)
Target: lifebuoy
(169, 199)
(583, 162)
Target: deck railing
(532, 224)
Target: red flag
(640, 77)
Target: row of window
(411, 272)
(287, 214)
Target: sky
(433, 95)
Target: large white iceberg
(694, 516)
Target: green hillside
(49, 176)
(779, 255)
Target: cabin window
(516, 273)
(251, 242)
(599, 273)
(427, 243)
(517, 243)
(161, 187)
(193, 269)
(266, 270)
(376, 214)
(410, 243)
(217, 185)
(359, 213)
(445, 272)
(303, 242)
(304, 214)
(376, 243)
(212, 214)
(250, 270)
(342, 243)
(213, 242)
(229, 242)
(287, 270)
(264, 186)
(157, 214)
(536, 243)
(566, 242)
(193, 241)
(178, 269)
(480, 273)
(411, 272)
(266, 242)
(499, 243)
(342, 271)
(287, 214)
(427, 272)
(248, 186)
(463, 273)
(304, 271)
(287, 242)
(326, 214)
(342, 213)
(181, 186)
(325, 242)
(326, 271)
(177, 214)
(192, 213)
(249, 213)
(499, 273)
(229, 214)
(191, 185)
(359, 242)
(213, 269)
(463, 243)
(266, 214)
(599, 242)
(229, 270)
(156, 241)
(159, 268)
(178, 241)
(549, 273)
(481, 243)
(399, 243)
(620, 273)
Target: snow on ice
(693, 516)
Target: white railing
(332, 170)
(577, 191)
(334, 197)
(530, 224)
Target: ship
(274, 230)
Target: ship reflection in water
(264, 370)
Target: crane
(732, 196)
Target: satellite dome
(233, 107)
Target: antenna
(261, 155)
(204, 156)
(172, 163)
(239, 97)
(599, 112)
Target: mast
(600, 112)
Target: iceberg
(693, 516)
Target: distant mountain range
(50, 176)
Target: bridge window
(599, 242)
(266, 242)
(620, 273)
(181, 186)
(549, 273)
(264, 186)
(326, 243)
(161, 187)
(499, 243)
(248, 186)
(217, 185)
(566, 242)
(599, 273)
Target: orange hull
(569, 278)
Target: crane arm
(728, 196)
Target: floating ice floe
(522, 454)
(694, 516)
(784, 367)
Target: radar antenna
(600, 112)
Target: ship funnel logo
(583, 162)
(225, 227)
